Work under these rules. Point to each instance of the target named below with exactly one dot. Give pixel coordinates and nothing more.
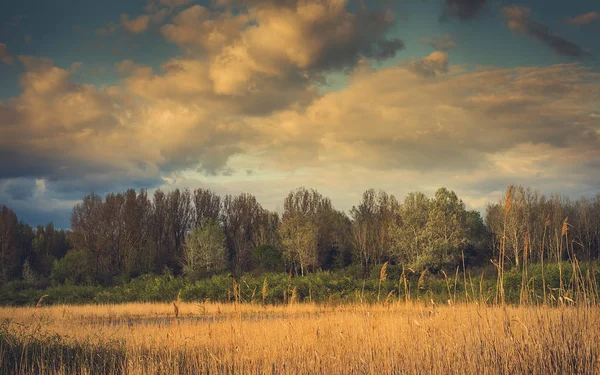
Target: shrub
(74, 268)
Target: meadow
(408, 337)
(526, 318)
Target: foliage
(75, 268)
(130, 237)
(204, 250)
(432, 234)
(268, 258)
(346, 285)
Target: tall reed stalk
(501, 257)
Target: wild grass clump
(26, 350)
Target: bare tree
(207, 206)
(371, 221)
(299, 239)
(241, 220)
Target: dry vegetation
(393, 337)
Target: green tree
(76, 267)
(204, 251)
(268, 258)
(446, 230)
(409, 235)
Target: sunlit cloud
(245, 106)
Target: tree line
(199, 233)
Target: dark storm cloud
(18, 189)
(519, 19)
(464, 10)
(32, 215)
(73, 188)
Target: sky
(263, 96)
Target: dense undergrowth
(342, 286)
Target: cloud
(454, 122)
(473, 131)
(157, 124)
(18, 189)
(129, 68)
(463, 9)
(175, 3)
(136, 25)
(188, 81)
(111, 28)
(431, 65)
(440, 43)
(281, 41)
(197, 27)
(59, 130)
(4, 55)
(519, 19)
(584, 19)
(244, 95)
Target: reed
(501, 258)
(382, 278)
(394, 337)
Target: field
(301, 338)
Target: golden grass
(307, 338)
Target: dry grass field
(407, 338)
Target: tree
(267, 229)
(268, 258)
(299, 241)
(446, 230)
(43, 245)
(9, 255)
(179, 221)
(137, 255)
(204, 250)
(89, 231)
(159, 231)
(75, 267)
(241, 221)
(478, 250)
(371, 221)
(408, 235)
(207, 206)
(339, 252)
(304, 205)
(433, 233)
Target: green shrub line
(342, 286)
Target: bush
(268, 258)
(74, 268)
